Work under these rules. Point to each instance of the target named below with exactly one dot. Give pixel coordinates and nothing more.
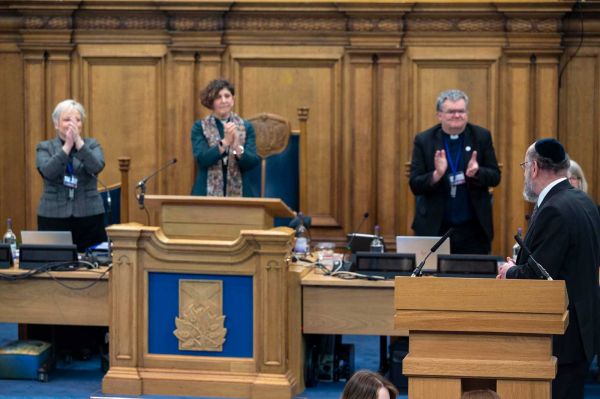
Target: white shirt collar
(547, 189)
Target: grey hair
(65, 106)
(452, 95)
(575, 170)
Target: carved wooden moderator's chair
(279, 149)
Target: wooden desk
(42, 299)
(332, 305)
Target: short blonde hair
(66, 105)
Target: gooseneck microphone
(141, 185)
(418, 270)
(539, 266)
(353, 235)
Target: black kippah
(551, 148)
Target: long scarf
(214, 181)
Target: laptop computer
(46, 237)
(421, 246)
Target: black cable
(578, 4)
(56, 266)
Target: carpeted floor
(82, 379)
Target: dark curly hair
(211, 92)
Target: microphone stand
(417, 272)
(539, 266)
(365, 217)
(142, 183)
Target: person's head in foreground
(365, 384)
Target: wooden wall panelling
(519, 137)
(532, 50)
(390, 157)
(362, 145)
(179, 118)
(579, 116)
(579, 113)
(13, 184)
(280, 80)
(35, 127)
(123, 89)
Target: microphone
(417, 271)
(141, 185)
(539, 266)
(353, 235)
(145, 179)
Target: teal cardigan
(206, 156)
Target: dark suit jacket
(564, 237)
(431, 198)
(51, 162)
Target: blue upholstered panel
(163, 307)
(283, 177)
(112, 214)
(283, 174)
(254, 176)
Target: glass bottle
(516, 248)
(376, 243)
(302, 245)
(10, 238)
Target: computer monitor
(384, 264)
(6, 258)
(421, 246)
(463, 265)
(358, 242)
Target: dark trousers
(87, 230)
(468, 238)
(569, 380)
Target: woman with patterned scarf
(224, 146)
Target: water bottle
(302, 245)
(516, 248)
(377, 244)
(10, 238)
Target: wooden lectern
(203, 303)
(480, 333)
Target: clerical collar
(454, 136)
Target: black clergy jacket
(564, 237)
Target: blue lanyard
(70, 168)
(453, 165)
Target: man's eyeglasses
(455, 112)
(524, 164)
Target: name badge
(458, 179)
(70, 181)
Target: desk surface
(78, 297)
(336, 306)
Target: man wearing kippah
(564, 237)
(453, 166)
